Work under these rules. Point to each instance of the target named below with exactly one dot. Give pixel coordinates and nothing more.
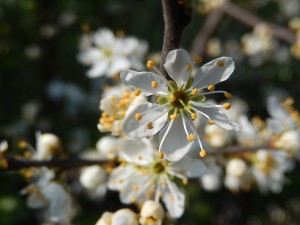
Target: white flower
(107, 146)
(143, 176)
(179, 102)
(108, 54)
(236, 167)
(105, 219)
(47, 145)
(120, 217)
(152, 213)
(92, 177)
(3, 146)
(117, 102)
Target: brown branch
(70, 163)
(251, 20)
(176, 18)
(237, 150)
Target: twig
(176, 18)
(70, 163)
(237, 150)
(251, 20)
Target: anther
(195, 91)
(22, 144)
(150, 125)
(227, 105)
(220, 63)
(184, 181)
(160, 154)
(198, 59)
(173, 116)
(210, 122)
(188, 67)
(154, 84)
(202, 153)
(138, 116)
(211, 87)
(150, 64)
(193, 116)
(172, 98)
(190, 137)
(228, 95)
(137, 92)
(135, 187)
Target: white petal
(136, 151)
(176, 66)
(192, 167)
(90, 56)
(151, 113)
(174, 199)
(119, 177)
(211, 73)
(217, 115)
(98, 69)
(104, 38)
(124, 217)
(118, 64)
(174, 145)
(126, 46)
(143, 81)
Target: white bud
(232, 183)
(289, 141)
(152, 213)
(236, 167)
(3, 146)
(92, 177)
(211, 180)
(124, 217)
(47, 145)
(105, 219)
(107, 146)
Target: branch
(237, 150)
(176, 18)
(251, 20)
(16, 164)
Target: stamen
(210, 122)
(174, 116)
(154, 84)
(160, 154)
(138, 116)
(211, 87)
(193, 116)
(150, 125)
(202, 153)
(190, 137)
(150, 64)
(195, 91)
(227, 105)
(198, 59)
(228, 95)
(135, 187)
(137, 92)
(184, 181)
(126, 94)
(188, 67)
(220, 63)
(172, 98)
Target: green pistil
(159, 167)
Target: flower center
(179, 99)
(159, 166)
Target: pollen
(150, 64)
(228, 95)
(195, 91)
(188, 67)
(161, 155)
(154, 84)
(137, 92)
(138, 116)
(135, 187)
(120, 181)
(210, 122)
(22, 144)
(227, 105)
(152, 220)
(190, 137)
(171, 198)
(150, 125)
(172, 98)
(140, 157)
(198, 59)
(173, 116)
(220, 63)
(202, 153)
(193, 116)
(133, 199)
(211, 87)
(184, 181)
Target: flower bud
(47, 145)
(93, 176)
(236, 167)
(152, 213)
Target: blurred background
(44, 88)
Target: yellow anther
(160, 155)
(135, 187)
(195, 91)
(150, 125)
(123, 164)
(185, 181)
(126, 94)
(220, 63)
(137, 92)
(227, 105)
(173, 116)
(228, 95)
(202, 153)
(138, 116)
(150, 64)
(188, 67)
(211, 87)
(193, 116)
(133, 199)
(172, 98)
(22, 144)
(190, 137)
(198, 59)
(171, 198)
(154, 84)
(152, 220)
(140, 157)
(122, 113)
(210, 122)
(120, 181)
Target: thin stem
(237, 150)
(176, 18)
